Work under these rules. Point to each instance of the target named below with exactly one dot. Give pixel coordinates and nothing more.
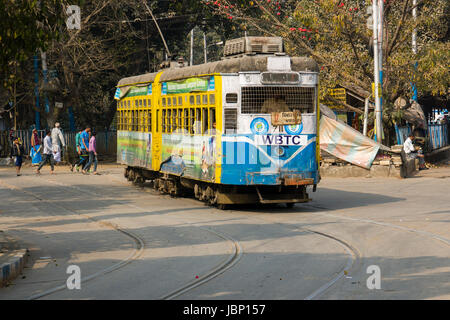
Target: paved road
(132, 243)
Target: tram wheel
(223, 206)
(290, 205)
(131, 174)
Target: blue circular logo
(259, 126)
(294, 129)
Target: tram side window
(180, 101)
(149, 103)
(145, 103)
(231, 98)
(149, 121)
(174, 120)
(169, 102)
(205, 99)
(180, 120)
(141, 121)
(191, 120)
(212, 120)
(191, 100)
(186, 120)
(163, 120)
(204, 120)
(198, 121)
(198, 100)
(136, 119)
(212, 99)
(174, 101)
(163, 102)
(140, 103)
(168, 120)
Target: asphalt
(132, 243)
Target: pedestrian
(92, 155)
(57, 141)
(35, 151)
(413, 152)
(84, 146)
(82, 157)
(48, 153)
(17, 151)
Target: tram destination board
(286, 118)
(280, 78)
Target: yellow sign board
(338, 94)
(380, 90)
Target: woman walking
(35, 151)
(92, 155)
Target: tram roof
(232, 65)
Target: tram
(236, 131)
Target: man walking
(48, 153)
(17, 151)
(57, 141)
(82, 159)
(85, 136)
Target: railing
(402, 133)
(438, 135)
(106, 141)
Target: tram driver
(276, 103)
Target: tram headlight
(279, 151)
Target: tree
(334, 33)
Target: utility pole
(380, 55)
(204, 47)
(192, 48)
(414, 45)
(44, 73)
(36, 91)
(366, 115)
(378, 115)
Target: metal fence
(106, 141)
(438, 135)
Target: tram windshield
(256, 100)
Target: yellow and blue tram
(240, 130)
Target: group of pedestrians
(51, 148)
(86, 146)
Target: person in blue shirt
(82, 159)
(85, 136)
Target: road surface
(133, 243)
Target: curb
(10, 270)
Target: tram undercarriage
(220, 195)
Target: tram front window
(276, 103)
(268, 99)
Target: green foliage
(25, 26)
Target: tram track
(214, 272)
(352, 261)
(139, 243)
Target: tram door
(156, 125)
